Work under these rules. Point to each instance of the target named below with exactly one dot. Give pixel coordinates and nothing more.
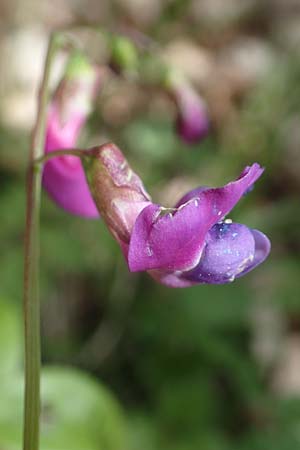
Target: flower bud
(192, 122)
(63, 177)
(117, 191)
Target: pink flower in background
(192, 122)
(63, 177)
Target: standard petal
(229, 250)
(219, 201)
(171, 240)
(262, 250)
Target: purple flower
(189, 244)
(63, 177)
(194, 243)
(192, 122)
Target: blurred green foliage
(76, 412)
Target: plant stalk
(58, 153)
(31, 264)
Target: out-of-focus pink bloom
(63, 177)
(192, 123)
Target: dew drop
(149, 250)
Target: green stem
(31, 265)
(58, 153)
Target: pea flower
(192, 243)
(63, 177)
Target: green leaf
(10, 338)
(78, 413)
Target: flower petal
(172, 279)
(167, 240)
(220, 201)
(63, 177)
(69, 192)
(262, 250)
(229, 249)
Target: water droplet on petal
(149, 250)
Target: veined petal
(219, 201)
(167, 239)
(216, 270)
(229, 251)
(262, 250)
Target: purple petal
(262, 250)
(167, 240)
(219, 201)
(229, 251)
(194, 193)
(171, 279)
(182, 279)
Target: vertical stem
(31, 265)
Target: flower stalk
(31, 264)
(57, 154)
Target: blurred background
(130, 364)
